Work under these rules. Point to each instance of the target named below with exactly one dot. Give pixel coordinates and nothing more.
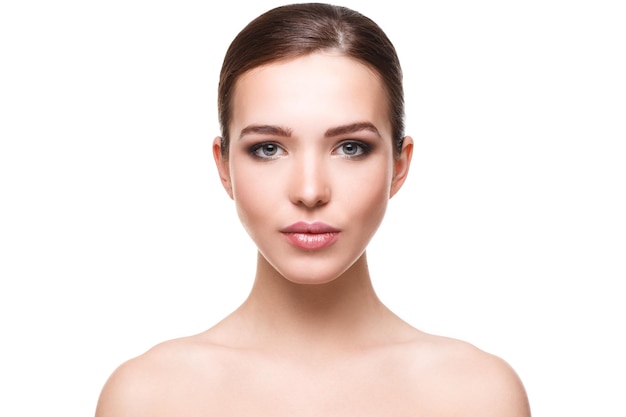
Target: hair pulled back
(299, 29)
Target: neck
(345, 311)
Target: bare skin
(342, 353)
(312, 338)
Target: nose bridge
(309, 179)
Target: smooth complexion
(311, 152)
(310, 169)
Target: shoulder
(138, 386)
(468, 380)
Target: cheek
(248, 190)
(255, 192)
(368, 190)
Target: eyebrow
(265, 130)
(286, 132)
(351, 128)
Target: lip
(310, 236)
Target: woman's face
(310, 163)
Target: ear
(401, 166)
(223, 168)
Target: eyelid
(252, 150)
(366, 148)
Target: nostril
(312, 201)
(311, 196)
(309, 185)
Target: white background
(115, 233)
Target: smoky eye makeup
(353, 149)
(265, 150)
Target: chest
(278, 391)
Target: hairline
(335, 51)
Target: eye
(352, 149)
(266, 150)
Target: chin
(317, 272)
(311, 267)
(310, 279)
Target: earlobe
(223, 167)
(401, 166)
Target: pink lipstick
(310, 236)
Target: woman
(312, 148)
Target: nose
(309, 185)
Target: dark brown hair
(299, 29)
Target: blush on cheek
(369, 197)
(372, 182)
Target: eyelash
(365, 149)
(256, 149)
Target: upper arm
(127, 392)
(496, 391)
(171, 379)
(469, 382)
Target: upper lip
(312, 228)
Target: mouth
(310, 236)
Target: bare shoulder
(146, 384)
(468, 380)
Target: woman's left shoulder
(481, 383)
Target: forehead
(316, 90)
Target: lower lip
(312, 241)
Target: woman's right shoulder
(141, 385)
